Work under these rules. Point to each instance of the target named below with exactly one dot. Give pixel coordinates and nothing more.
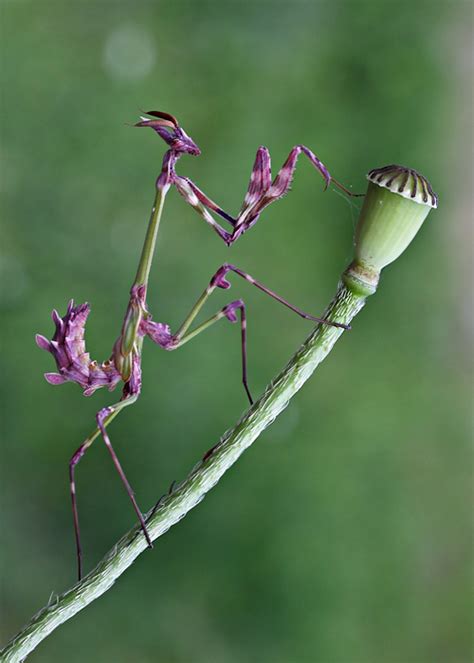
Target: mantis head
(168, 128)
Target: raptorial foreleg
(188, 190)
(261, 191)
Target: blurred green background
(343, 535)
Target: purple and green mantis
(68, 346)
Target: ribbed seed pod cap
(406, 182)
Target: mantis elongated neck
(148, 250)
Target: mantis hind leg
(104, 417)
(75, 458)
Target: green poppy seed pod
(397, 202)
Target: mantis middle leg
(161, 335)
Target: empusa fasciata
(124, 365)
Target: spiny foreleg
(261, 191)
(198, 201)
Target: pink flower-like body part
(159, 333)
(69, 351)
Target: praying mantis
(124, 365)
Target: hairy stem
(186, 495)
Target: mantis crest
(124, 365)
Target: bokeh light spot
(129, 53)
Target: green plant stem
(186, 495)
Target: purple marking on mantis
(261, 190)
(68, 348)
(124, 365)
